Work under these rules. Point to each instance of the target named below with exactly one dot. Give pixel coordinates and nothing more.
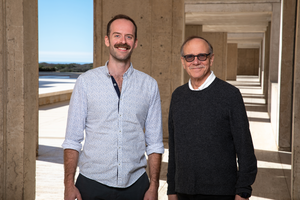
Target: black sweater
(208, 131)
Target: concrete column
(219, 42)
(262, 62)
(295, 175)
(99, 34)
(286, 79)
(266, 63)
(160, 35)
(193, 30)
(232, 59)
(18, 98)
(248, 61)
(273, 95)
(274, 44)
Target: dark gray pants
(92, 190)
(205, 197)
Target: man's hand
(70, 164)
(151, 194)
(154, 160)
(238, 197)
(71, 193)
(172, 197)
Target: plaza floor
(274, 167)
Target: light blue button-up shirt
(114, 141)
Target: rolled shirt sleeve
(76, 118)
(153, 124)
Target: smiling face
(197, 70)
(121, 41)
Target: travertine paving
(273, 179)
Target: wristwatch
(244, 195)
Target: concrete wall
(262, 62)
(260, 65)
(274, 65)
(295, 180)
(18, 98)
(266, 63)
(286, 78)
(232, 61)
(54, 97)
(248, 62)
(160, 35)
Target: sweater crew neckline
(206, 83)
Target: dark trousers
(205, 197)
(92, 190)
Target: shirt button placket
(120, 146)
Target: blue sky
(65, 31)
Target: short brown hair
(120, 16)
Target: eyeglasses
(191, 57)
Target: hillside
(72, 67)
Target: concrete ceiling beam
(234, 28)
(248, 46)
(228, 8)
(245, 35)
(228, 18)
(246, 41)
(231, 1)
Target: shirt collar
(127, 73)
(207, 82)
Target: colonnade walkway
(274, 167)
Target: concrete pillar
(18, 98)
(295, 175)
(248, 61)
(286, 78)
(193, 30)
(274, 44)
(219, 42)
(266, 63)
(232, 59)
(160, 35)
(273, 93)
(262, 62)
